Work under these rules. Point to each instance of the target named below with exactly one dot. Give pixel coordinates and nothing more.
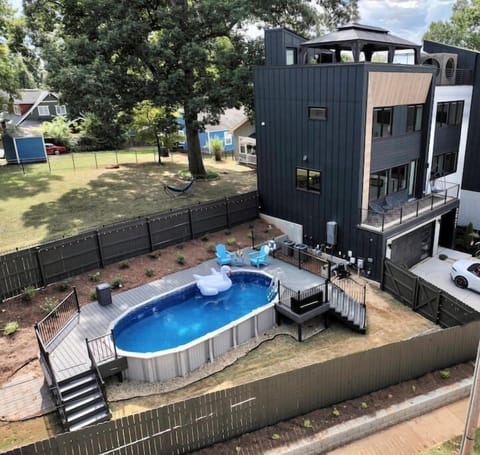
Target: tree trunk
(158, 148)
(195, 161)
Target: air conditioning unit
(446, 65)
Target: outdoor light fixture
(305, 158)
(262, 123)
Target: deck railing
(102, 348)
(440, 195)
(354, 290)
(55, 322)
(285, 293)
(301, 258)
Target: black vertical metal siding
(395, 151)
(276, 42)
(285, 136)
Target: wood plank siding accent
(389, 89)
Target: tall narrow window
(414, 118)
(382, 122)
(291, 56)
(308, 179)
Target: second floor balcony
(383, 216)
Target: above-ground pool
(178, 332)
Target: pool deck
(70, 356)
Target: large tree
(463, 27)
(106, 56)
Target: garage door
(413, 247)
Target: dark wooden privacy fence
(431, 302)
(60, 259)
(199, 422)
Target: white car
(466, 274)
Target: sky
(408, 19)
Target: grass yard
(453, 446)
(75, 192)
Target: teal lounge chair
(224, 257)
(258, 258)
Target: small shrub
(238, 449)
(204, 238)
(179, 246)
(149, 272)
(444, 374)
(275, 436)
(390, 396)
(63, 286)
(28, 293)
(95, 277)
(153, 255)
(336, 412)
(228, 232)
(49, 304)
(364, 405)
(117, 283)
(124, 265)
(231, 241)
(10, 328)
(414, 388)
(307, 423)
(211, 247)
(442, 257)
(93, 295)
(180, 259)
(250, 235)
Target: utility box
(331, 232)
(104, 294)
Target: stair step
(83, 402)
(70, 385)
(80, 393)
(96, 418)
(86, 413)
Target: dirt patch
(288, 432)
(19, 350)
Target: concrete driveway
(437, 272)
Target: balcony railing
(441, 194)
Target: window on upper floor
(291, 56)
(61, 110)
(393, 180)
(382, 121)
(43, 111)
(308, 179)
(317, 113)
(443, 165)
(414, 117)
(449, 113)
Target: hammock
(174, 191)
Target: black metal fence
(57, 260)
(425, 298)
(201, 421)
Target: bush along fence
(199, 422)
(423, 297)
(57, 260)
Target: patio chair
(224, 257)
(175, 191)
(258, 258)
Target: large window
(382, 121)
(291, 56)
(308, 179)
(449, 114)
(443, 165)
(43, 111)
(414, 118)
(391, 181)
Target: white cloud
(408, 19)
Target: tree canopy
(105, 57)
(463, 27)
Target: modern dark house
(358, 155)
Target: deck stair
(81, 401)
(347, 310)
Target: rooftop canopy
(359, 38)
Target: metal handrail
(102, 354)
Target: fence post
(149, 231)
(40, 266)
(114, 344)
(99, 246)
(227, 205)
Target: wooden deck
(70, 356)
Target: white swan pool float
(215, 282)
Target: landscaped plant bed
(288, 432)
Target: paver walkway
(413, 436)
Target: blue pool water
(183, 316)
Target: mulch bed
(288, 432)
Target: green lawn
(75, 192)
